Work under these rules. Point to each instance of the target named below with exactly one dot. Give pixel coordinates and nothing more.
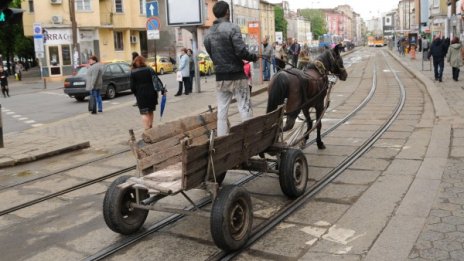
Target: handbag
(179, 76)
(157, 83)
(92, 104)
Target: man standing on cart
(226, 48)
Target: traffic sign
(153, 23)
(37, 28)
(151, 8)
(38, 43)
(153, 34)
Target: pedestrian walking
(266, 54)
(142, 80)
(304, 57)
(273, 59)
(4, 82)
(226, 48)
(281, 56)
(184, 72)
(455, 56)
(191, 65)
(94, 81)
(134, 55)
(438, 54)
(18, 70)
(425, 46)
(412, 51)
(294, 51)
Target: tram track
(267, 225)
(110, 250)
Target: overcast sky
(366, 8)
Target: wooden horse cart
(185, 154)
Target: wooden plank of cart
(185, 154)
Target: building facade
(267, 18)
(109, 29)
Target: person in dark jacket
(141, 84)
(4, 82)
(438, 54)
(226, 48)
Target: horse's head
(333, 61)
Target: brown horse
(305, 89)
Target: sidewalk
(429, 223)
(107, 131)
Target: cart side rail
(161, 146)
(245, 140)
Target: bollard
(1, 128)
(45, 83)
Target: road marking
(21, 118)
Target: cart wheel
(293, 173)
(231, 218)
(119, 217)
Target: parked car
(116, 79)
(163, 64)
(205, 64)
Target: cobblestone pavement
(442, 237)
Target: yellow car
(163, 64)
(205, 64)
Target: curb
(27, 159)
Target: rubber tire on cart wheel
(110, 92)
(293, 173)
(118, 216)
(231, 218)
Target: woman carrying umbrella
(141, 83)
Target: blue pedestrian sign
(151, 8)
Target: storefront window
(142, 6)
(66, 54)
(54, 56)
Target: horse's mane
(278, 91)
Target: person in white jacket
(184, 69)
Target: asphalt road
(30, 105)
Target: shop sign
(57, 36)
(86, 35)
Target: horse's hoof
(321, 146)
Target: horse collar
(321, 68)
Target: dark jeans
(98, 98)
(187, 85)
(455, 73)
(438, 65)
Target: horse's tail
(278, 91)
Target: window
(115, 69)
(31, 6)
(66, 54)
(436, 3)
(83, 5)
(126, 68)
(142, 6)
(118, 41)
(118, 6)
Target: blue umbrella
(163, 103)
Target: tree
(13, 42)
(317, 19)
(280, 22)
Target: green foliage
(12, 39)
(280, 22)
(317, 19)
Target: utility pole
(75, 45)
